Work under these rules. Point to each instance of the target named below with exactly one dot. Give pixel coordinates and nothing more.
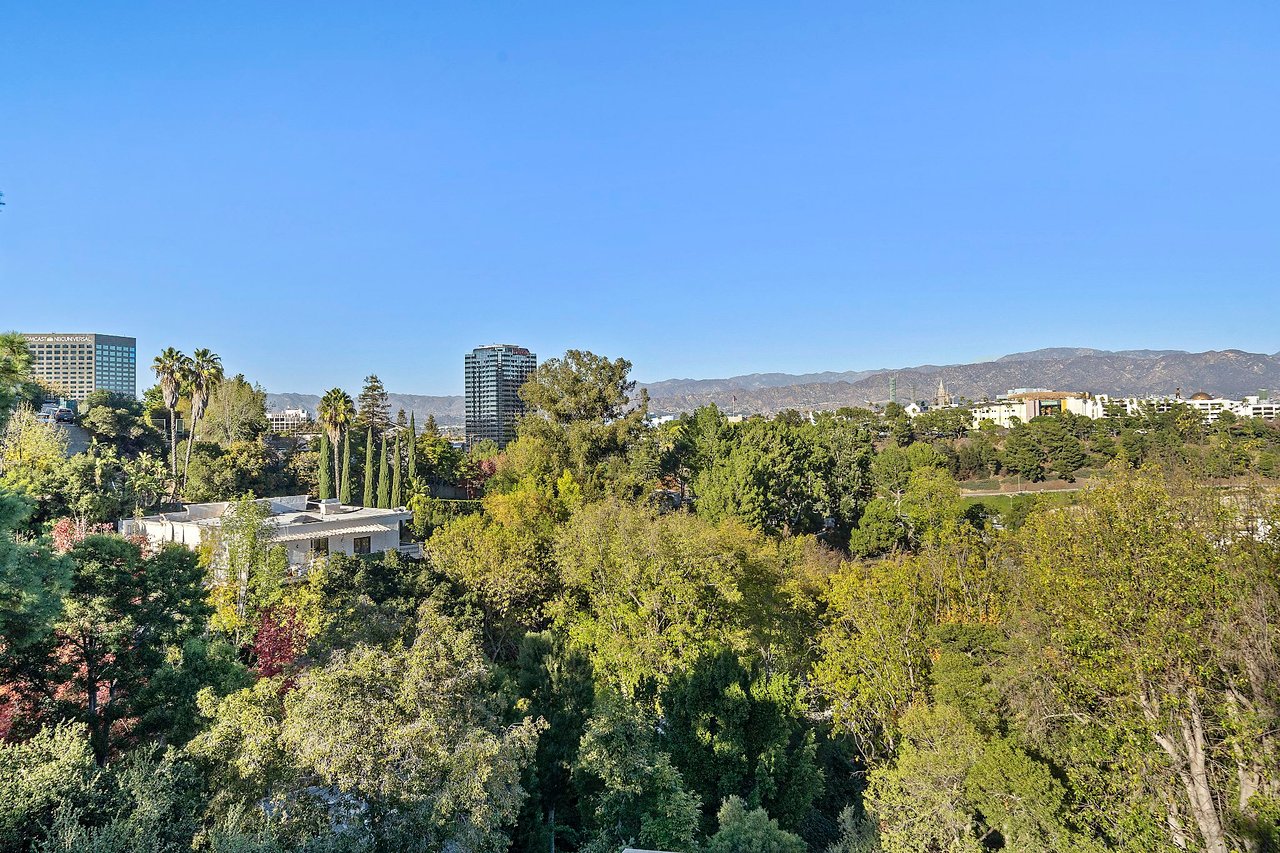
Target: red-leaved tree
(280, 638)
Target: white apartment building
(1209, 407)
(306, 529)
(1027, 403)
(287, 421)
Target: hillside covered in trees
(784, 634)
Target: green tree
(119, 421)
(771, 479)
(644, 594)
(415, 734)
(412, 470)
(243, 467)
(237, 411)
(504, 564)
(1065, 453)
(326, 473)
(38, 775)
(1132, 610)
(370, 497)
(638, 798)
(248, 574)
(344, 492)
(170, 367)
(1022, 454)
(877, 648)
(919, 800)
(203, 372)
(373, 407)
(395, 475)
(744, 830)
(555, 684)
(120, 618)
(384, 479)
(30, 453)
(735, 733)
(33, 581)
(583, 412)
(898, 425)
(335, 414)
(15, 372)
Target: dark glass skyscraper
(494, 375)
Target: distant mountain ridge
(1227, 373)
(448, 410)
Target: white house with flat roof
(287, 421)
(306, 528)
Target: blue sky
(320, 191)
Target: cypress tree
(368, 469)
(413, 449)
(384, 479)
(395, 476)
(326, 476)
(344, 489)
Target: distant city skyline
(709, 191)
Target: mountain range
(1226, 373)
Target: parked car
(64, 416)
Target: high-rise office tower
(494, 375)
(74, 365)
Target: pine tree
(373, 405)
(395, 475)
(430, 428)
(413, 449)
(384, 480)
(344, 489)
(1022, 454)
(368, 470)
(326, 476)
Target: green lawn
(1014, 507)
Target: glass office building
(494, 375)
(74, 365)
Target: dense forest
(788, 634)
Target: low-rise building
(1258, 407)
(305, 528)
(287, 421)
(1027, 403)
(1209, 407)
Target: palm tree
(170, 368)
(203, 372)
(335, 413)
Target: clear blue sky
(319, 191)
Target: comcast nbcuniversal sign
(60, 339)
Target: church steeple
(941, 399)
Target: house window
(320, 546)
(363, 545)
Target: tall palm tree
(170, 368)
(203, 372)
(335, 413)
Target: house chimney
(330, 506)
